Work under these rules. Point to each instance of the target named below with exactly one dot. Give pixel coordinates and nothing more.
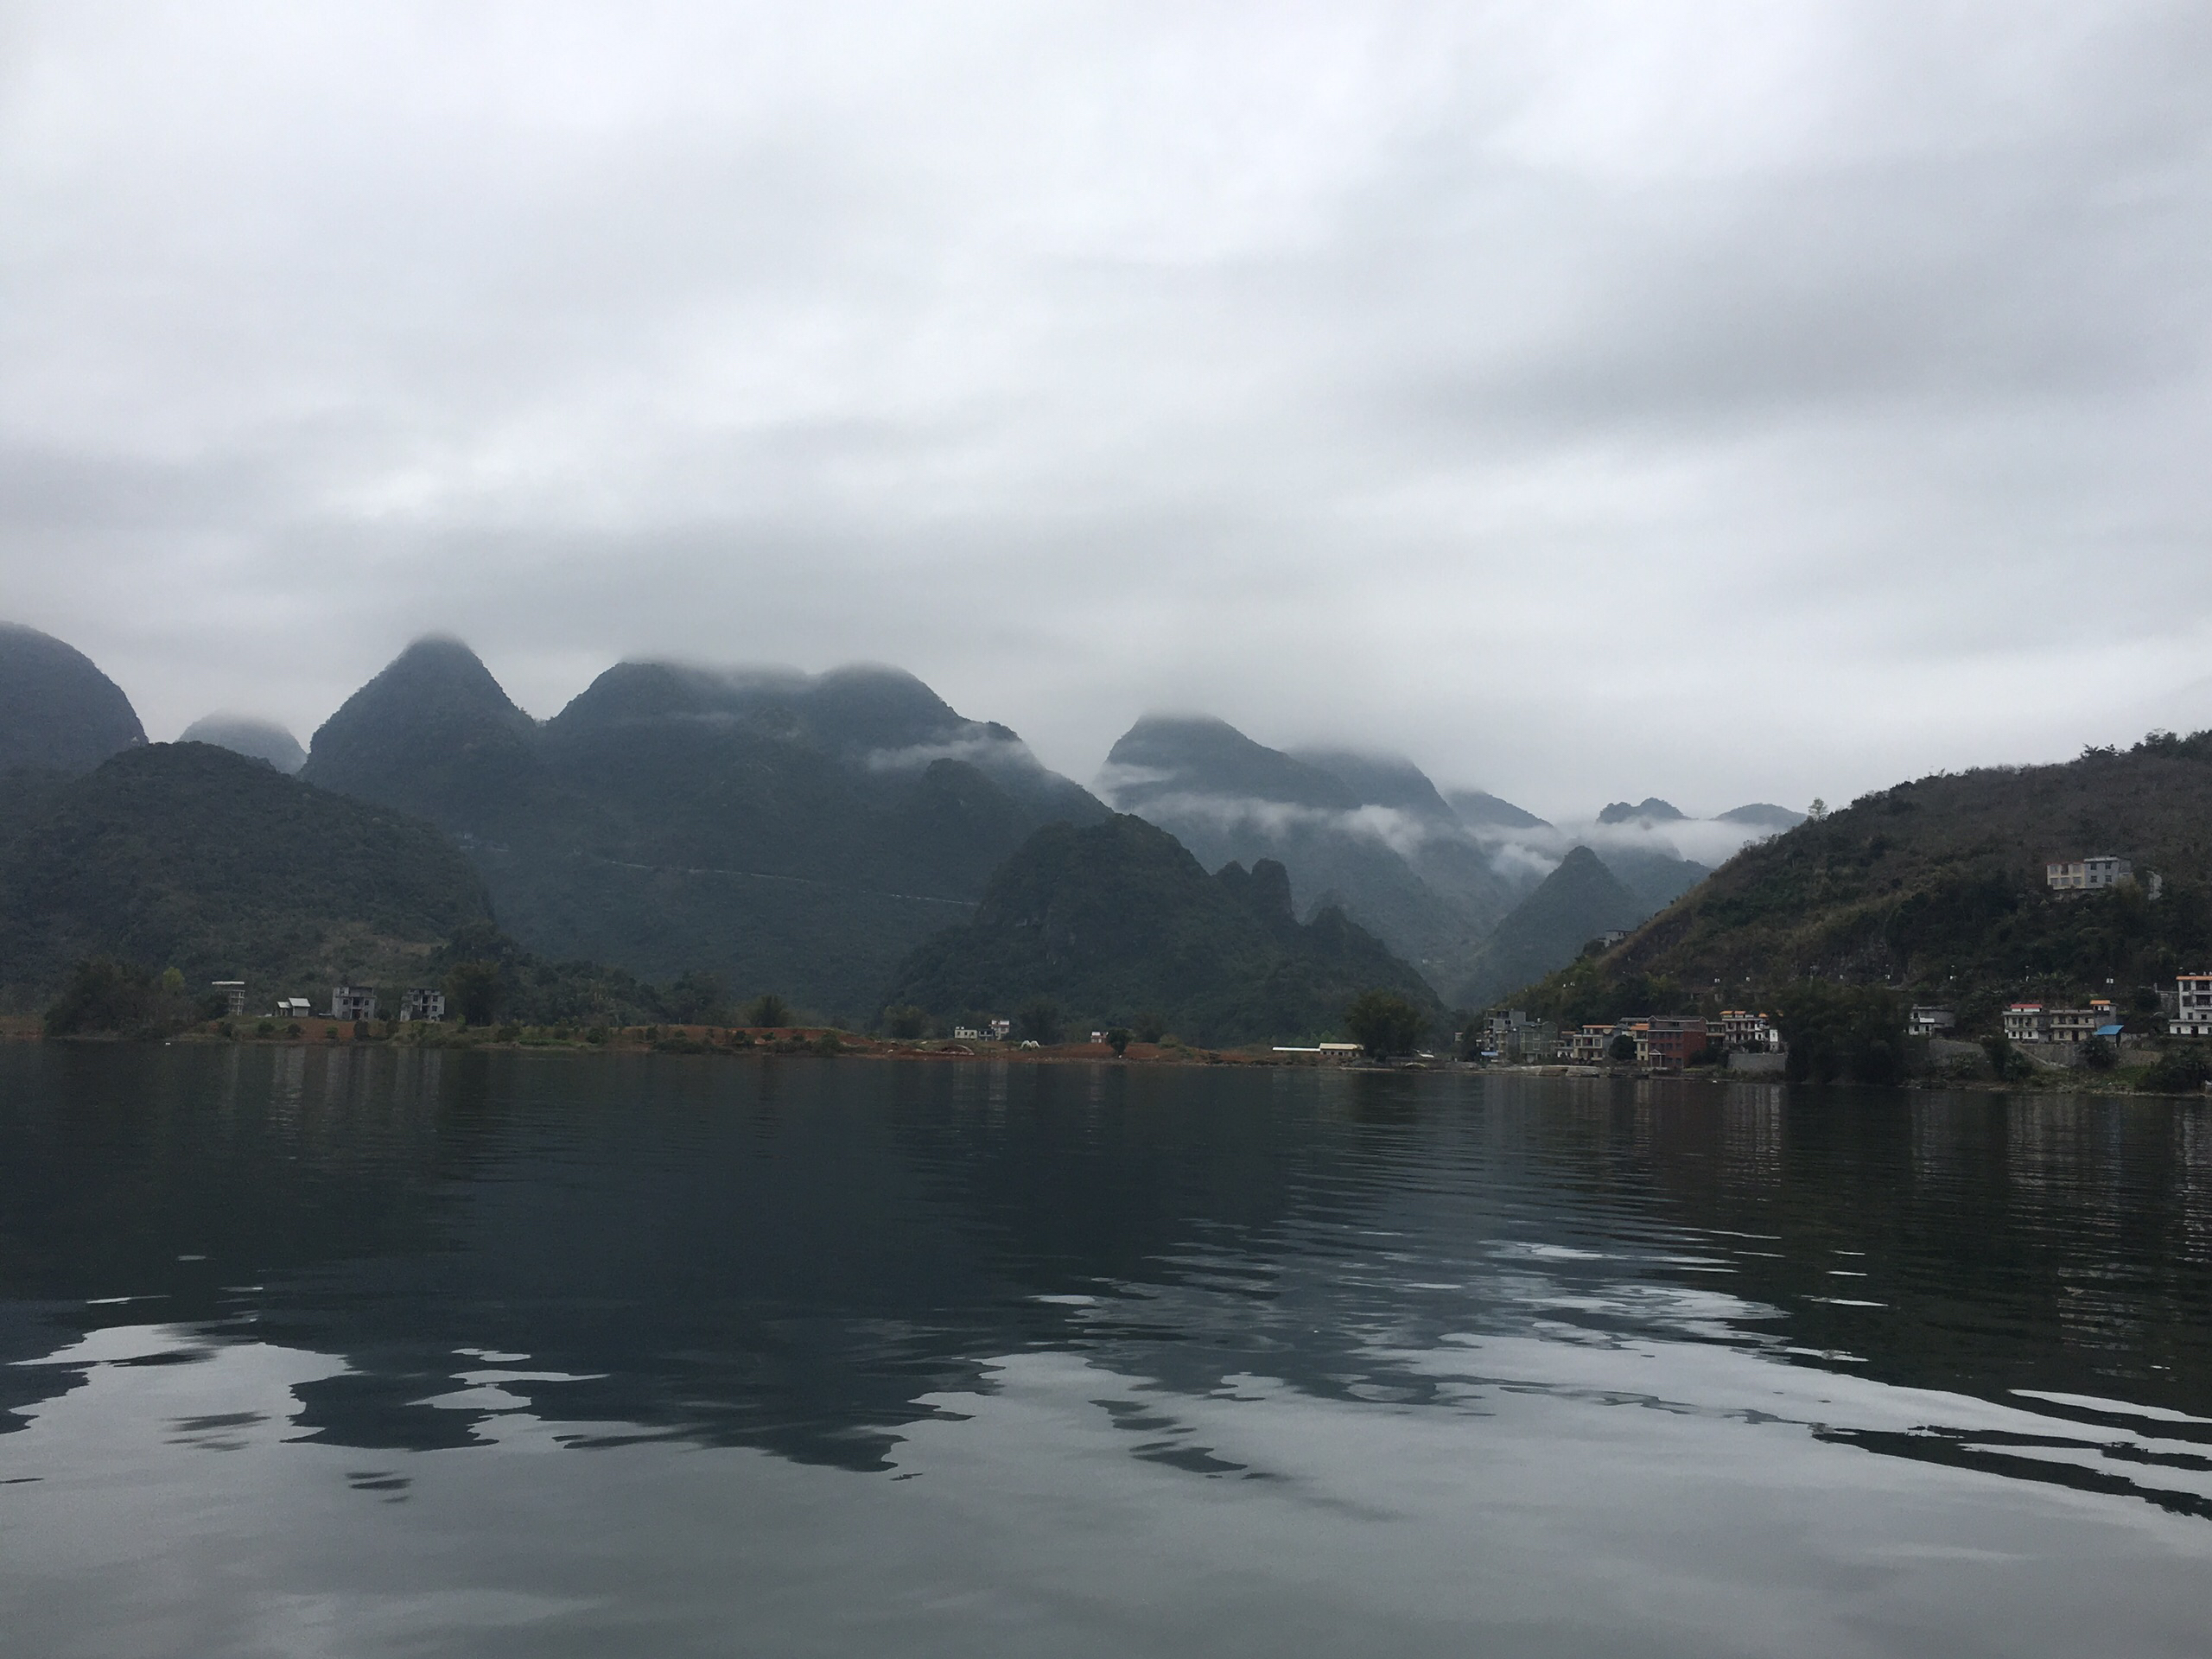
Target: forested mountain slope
(186, 855)
(1937, 886)
(1116, 919)
(783, 831)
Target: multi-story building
(422, 1005)
(2088, 874)
(1930, 1022)
(1741, 1028)
(353, 1003)
(2192, 1006)
(2079, 1025)
(233, 992)
(1587, 1046)
(2027, 1022)
(1669, 1042)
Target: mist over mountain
(1479, 809)
(1115, 920)
(783, 831)
(57, 712)
(257, 740)
(1369, 833)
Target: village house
(1930, 1022)
(233, 995)
(293, 1007)
(1739, 1028)
(2027, 1022)
(422, 1005)
(2079, 1025)
(2192, 1006)
(353, 1003)
(2088, 874)
(1670, 1042)
(1586, 1046)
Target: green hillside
(186, 855)
(1936, 887)
(1115, 919)
(1578, 902)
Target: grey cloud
(1534, 390)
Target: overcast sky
(1590, 401)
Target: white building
(293, 1007)
(422, 1005)
(234, 992)
(2193, 1006)
(2088, 874)
(1742, 1029)
(1932, 1022)
(2026, 1022)
(353, 1003)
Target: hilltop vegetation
(190, 856)
(1936, 887)
(1117, 920)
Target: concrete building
(234, 994)
(2078, 1024)
(1930, 1022)
(1586, 1046)
(2088, 874)
(422, 1005)
(1670, 1042)
(353, 1003)
(1741, 1029)
(2027, 1022)
(293, 1007)
(2192, 1014)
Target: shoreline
(808, 1042)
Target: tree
(1039, 1022)
(102, 995)
(695, 999)
(472, 992)
(905, 1022)
(1384, 1023)
(2099, 1054)
(1622, 1050)
(1117, 1039)
(769, 1011)
(1149, 1026)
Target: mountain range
(807, 833)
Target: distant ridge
(1577, 902)
(257, 740)
(1650, 810)
(1765, 816)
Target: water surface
(359, 1352)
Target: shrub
(770, 1012)
(2099, 1054)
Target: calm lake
(364, 1352)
